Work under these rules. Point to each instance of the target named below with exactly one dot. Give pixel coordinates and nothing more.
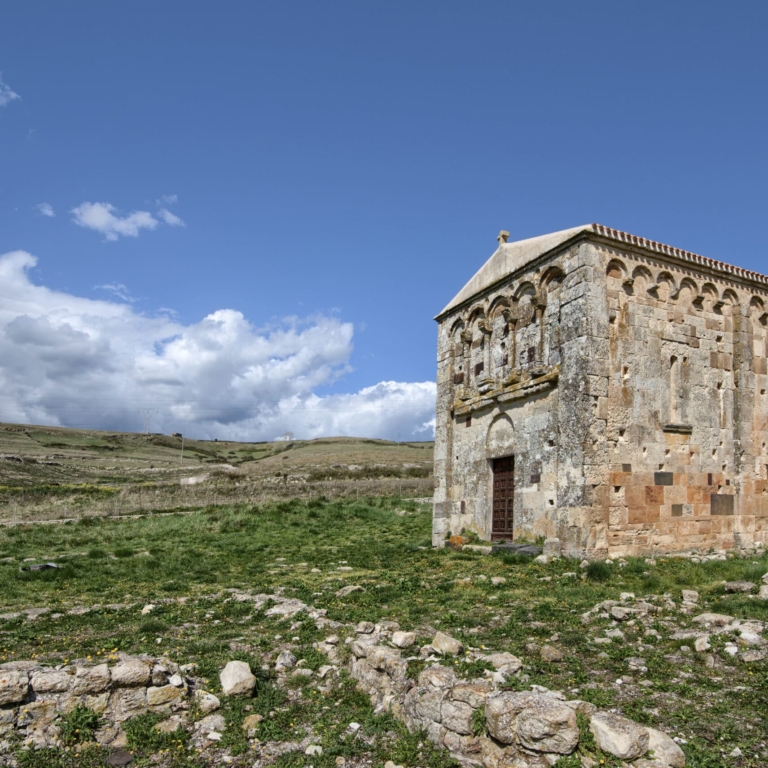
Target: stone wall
(34, 698)
(482, 724)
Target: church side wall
(686, 408)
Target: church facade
(605, 392)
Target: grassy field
(50, 473)
(299, 547)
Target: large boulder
(536, 721)
(618, 736)
(237, 679)
(548, 725)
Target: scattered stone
(541, 559)
(365, 628)
(286, 660)
(620, 613)
(618, 736)
(763, 592)
(753, 654)
(666, 754)
(690, 596)
(348, 590)
(211, 724)
(550, 653)
(176, 680)
(713, 619)
(735, 753)
(121, 757)
(738, 586)
(584, 564)
(702, 644)
(313, 750)
(498, 580)
(504, 662)
(206, 701)
(237, 679)
(403, 639)
(446, 644)
(251, 724)
(147, 609)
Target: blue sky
(347, 166)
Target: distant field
(51, 473)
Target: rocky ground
(361, 644)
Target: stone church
(606, 391)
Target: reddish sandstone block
(654, 494)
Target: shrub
(599, 571)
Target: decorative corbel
(698, 302)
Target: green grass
(261, 548)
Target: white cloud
(167, 200)
(73, 361)
(46, 209)
(119, 290)
(101, 218)
(171, 219)
(6, 94)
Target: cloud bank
(72, 361)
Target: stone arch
(666, 287)
(729, 302)
(757, 311)
(642, 279)
(456, 328)
(687, 292)
(524, 289)
(475, 314)
(498, 305)
(710, 296)
(551, 279)
(500, 439)
(458, 352)
(616, 268)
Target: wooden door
(503, 496)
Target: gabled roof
(510, 257)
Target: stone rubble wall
(34, 698)
(482, 724)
